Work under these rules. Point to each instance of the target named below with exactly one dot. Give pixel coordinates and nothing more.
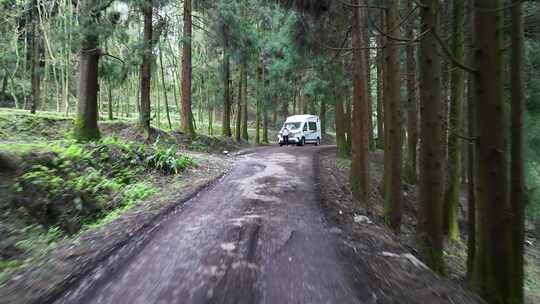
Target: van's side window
(305, 127)
(312, 126)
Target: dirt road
(258, 236)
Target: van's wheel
(303, 141)
(318, 142)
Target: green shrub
(168, 160)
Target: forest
(107, 104)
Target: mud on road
(258, 236)
(264, 235)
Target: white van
(302, 129)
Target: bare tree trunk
(493, 257)
(162, 68)
(210, 120)
(392, 206)
(226, 121)
(517, 186)
(264, 105)
(187, 115)
(340, 126)
(244, 80)
(146, 69)
(380, 86)
(359, 175)
(35, 68)
(259, 104)
(365, 33)
(322, 116)
(451, 204)
(110, 100)
(431, 184)
(237, 130)
(471, 159)
(4, 84)
(412, 107)
(348, 125)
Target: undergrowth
(69, 187)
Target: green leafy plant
(168, 160)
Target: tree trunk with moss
(392, 201)
(359, 175)
(451, 204)
(492, 270)
(187, 115)
(146, 69)
(429, 235)
(86, 126)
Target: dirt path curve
(258, 236)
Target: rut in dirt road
(258, 236)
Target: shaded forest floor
(368, 232)
(61, 201)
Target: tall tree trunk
(451, 204)
(392, 206)
(4, 84)
(380, 93)
(110, 100)
(348, 124)
(86, 127)
(187, 115)
(359, 175)
(471, 159)
(210, 120)
(146, 69)
(341, 141)
(162, 68)
(259, 104)
(322, 116)
(264, 107)
(365, 33)
(274, 110)
(492, 274)
(244, 80)
(294, 100)
(412, 107)
(238, 124)
(517, 177)
(226, 121)
(431, 183)
(35, 68)
(285, 109)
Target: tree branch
(450, 55)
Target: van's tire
(302, 142)
(318, 142)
